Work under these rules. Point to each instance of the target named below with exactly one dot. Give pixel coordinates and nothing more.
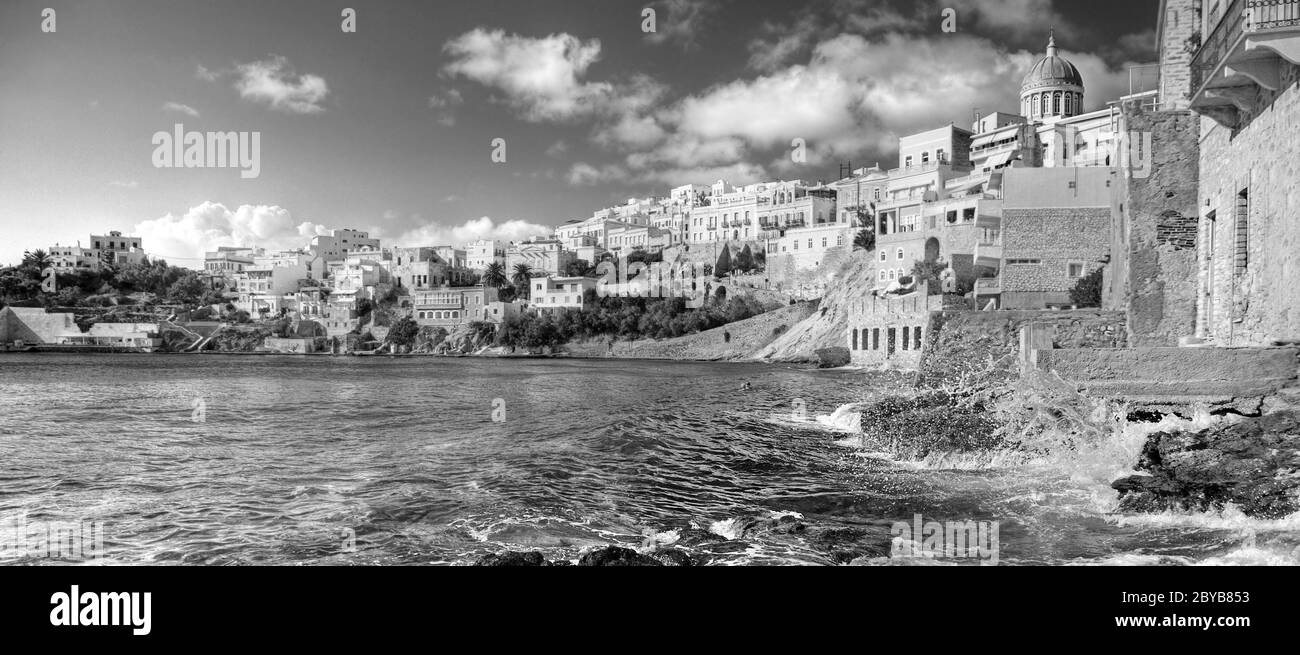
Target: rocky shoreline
(1252, 463)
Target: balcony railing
(1271, 14)
(988, 286)
(1219, 42)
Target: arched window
(1043, 100)
(1069, 104)
(1056, 103)
(881, 276)
(900, 254)
(882, 254)
(892, 274)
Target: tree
(522, 277)
(745, 260)
(723, 266)
(865, 240)
(930, 272)
(579, 268)
(188, 290)
(403, 333)
(495, 275)
(1087, 291)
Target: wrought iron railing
(1216, 45)
(1271, 14)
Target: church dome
(1053, 87)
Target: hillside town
(1045, 207)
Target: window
(1242, 255)
(892, 274)
(855, 338)
(952, 216)
(968, 214)
(810, 242)
(882, 254)
(796, 244)
(1069, 104)
(823, 242)
(925, 158)
(1074, 269)
(875, 338)
(940, 156)
(1024, 262)
(917, 338)
(907, 162)
(881, 276)
(900, 254)
(839, 240)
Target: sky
(393, 128)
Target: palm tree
(495, 275)
(37, 259)
(523, 275)
(865, 240)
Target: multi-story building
(541, 255)
(1056, 225)
(117, 249)
(1244, 82)
(483, 253)
(417, 268)
(338, 243)
(454, 306)
(226, 261)
(555, 294)
(73, 258)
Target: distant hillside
(829, 325)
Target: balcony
(988, 286)
(1242, 54)
(989, 255)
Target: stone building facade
(1154, 268)
(889, 332)
(1056, 229)
(1245, 81)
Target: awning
(967, 186)
(1000, 160)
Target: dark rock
(617, 556)
(674, 557)
(513, 558)
(1253, 463)
(834, 357)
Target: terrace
(1242, 53)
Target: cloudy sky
(391, 128)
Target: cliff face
(829, 326)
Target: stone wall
(1180, 20)
(1254, 270)
(889, 333)
(961, 342)
(1237, 377)
(1155, 264)
(1053, 238)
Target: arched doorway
(931, 249)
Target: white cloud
(274, 82)
(124, 184)
(1020, 18)
(205, 227)
(681, 21)
(540, 77)
(178, 107)
(442, 103)
(472, 230)
(557, 149)
(205, 74)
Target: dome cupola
(1053, 88)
